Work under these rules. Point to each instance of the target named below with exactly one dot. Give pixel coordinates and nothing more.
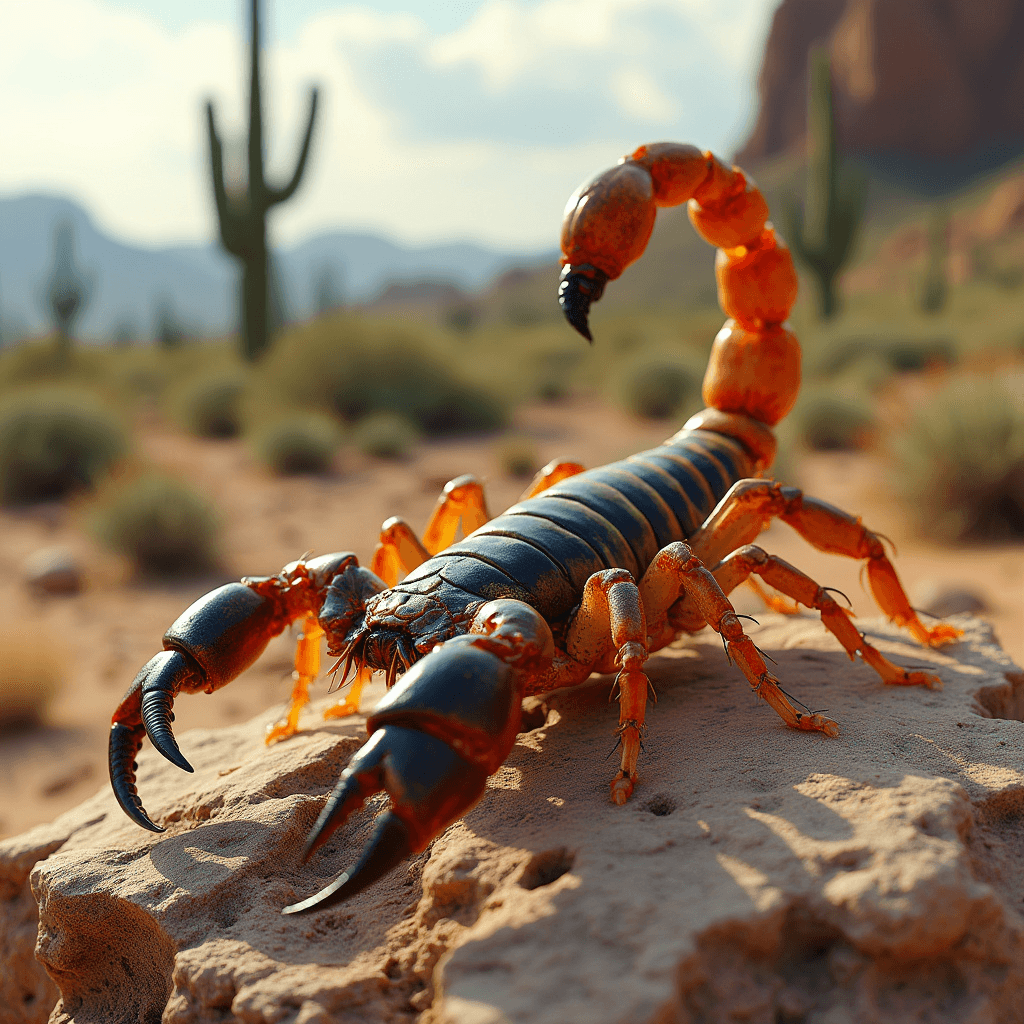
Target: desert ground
(104, 634)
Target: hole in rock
(1005, 700)
(661, 804)
(546, 867)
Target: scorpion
(591, 571)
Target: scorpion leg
(462, 498)
(786, 578)
(553, 473)
(751, 504)
(307, 667)
(434, 738)
(676, 570)
(609, 631)
(399, 550)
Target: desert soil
(105, 634)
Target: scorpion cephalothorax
(591, 571)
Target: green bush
(299, 443)
(385, 436)
(164, 526)
(211, 405)
(53, 442)
(656, 387)
(825, 420)
(351, 370)
(960, 463)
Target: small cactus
(242, 214)
(935, 290)
(823, 233)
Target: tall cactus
(243, 215)
(823, 233)
(67, 290)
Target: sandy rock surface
(758, 874)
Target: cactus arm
(231, 234)
(279, 195)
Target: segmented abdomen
(543, 550)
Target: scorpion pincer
(590, 572)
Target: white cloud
(481, 131)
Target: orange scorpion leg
(791, 581)
(830, 529)
(608, 632)
(307, 667)
(750, 506)
(553, 473)
(462, 498)
(399, 551)
(675, 570)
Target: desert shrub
(960, 463)
(827, 420)
(30, 676)
(298, 443)
(902, 354)
(211, 405)
(53, 442)
(350, 370)
(159, 522)
(656, 387)
(410, 383)
(518, 457)
(385, 436)
(41, 362)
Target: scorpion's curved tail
(754, 371)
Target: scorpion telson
(590, 572)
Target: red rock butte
(927, 78)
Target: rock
(758, 874)
(53, 571)
(927, 78)
(942, 600)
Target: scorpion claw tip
(389, 845)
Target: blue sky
(472, 119)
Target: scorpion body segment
(590, 571)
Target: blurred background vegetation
(900, 281)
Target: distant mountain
(199, 281)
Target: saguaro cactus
(823, 232)
(67, 290)
(242, 213)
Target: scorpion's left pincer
(444, 727)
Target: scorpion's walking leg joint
(462, 498)
(609, 632)
(398, 551)
(435, 737)
(676, 570)
(553, 473)
(790, 581)
(830, 529)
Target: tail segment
(754, 370)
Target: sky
(466, 119)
